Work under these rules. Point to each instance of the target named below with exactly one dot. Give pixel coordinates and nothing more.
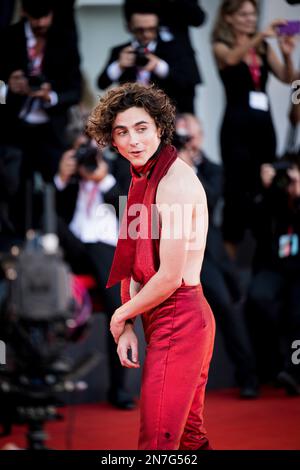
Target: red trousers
(180, 336)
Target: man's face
(144, 27)
(40, 26)
(195, 131)
(135, 135)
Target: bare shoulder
(180, 184)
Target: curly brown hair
(153, 100)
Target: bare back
(183, 180)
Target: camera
(87, 156)
(282, 179)
(180, 140)
(141, 59)
(35, 82)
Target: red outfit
(179, 333)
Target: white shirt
(114, 70)
(93, 220)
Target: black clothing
(176, 85)
(221, 284)
(247, 141)
(178, 16)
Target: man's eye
(142, 129)
(122, 133)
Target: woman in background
(248, 140)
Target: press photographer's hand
(294, 186)
(43, 93)
(267, 174)
(67, 165)
(127, 57)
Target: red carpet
(271, 422)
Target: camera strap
(255, 71)
(90, 195)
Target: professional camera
(141, 59)
(87, 156)
(40, 313)
(36, 81)
(180, 140)
(281, 179)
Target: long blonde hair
(222, 30)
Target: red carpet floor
(270, 422)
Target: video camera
(281, 179)
(39, 315)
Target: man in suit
(147, 59)
(176, 17)
(219, 276)
(87, 203)
(41, 68)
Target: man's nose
(133, 139)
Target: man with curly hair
(158, 261)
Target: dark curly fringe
(119, 99)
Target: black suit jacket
(175, 84)
(61, 68)
(178, 16)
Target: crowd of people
(42, 74)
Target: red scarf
(129, 248)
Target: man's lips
(136, 153)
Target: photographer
(176, 18)
(274, 293)
(219, 276)
(40, 66)
(88, 233)
(147, 59)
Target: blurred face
(40, 26)
(135, 135)
(144, 27)
(195, 131)
(244, 20)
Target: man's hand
(43, 93)
(153, 62)
(117, 326)
(267, 174)
(128, 341)
(127, 58)
(294, 186)
(67, 165)
(18, 83)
